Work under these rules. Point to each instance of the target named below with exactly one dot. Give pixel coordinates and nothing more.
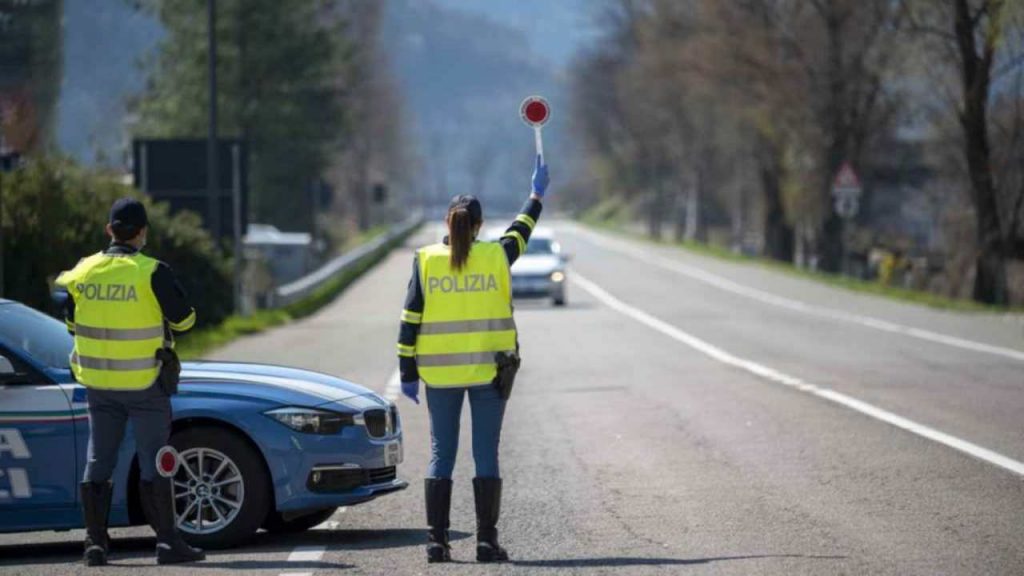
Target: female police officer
(457, 318)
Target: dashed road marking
(773, 375)
(307, 553)
(796, 305)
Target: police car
(260, 446)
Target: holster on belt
(170, 370)
(508, 366)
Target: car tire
(247, 461)
(559, 300)
(275, 524)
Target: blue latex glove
(411, 390)
(540, 178)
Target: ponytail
(461, 226)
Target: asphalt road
(681, 416)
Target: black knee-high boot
(438, 495)
(159, 508)
(487, 492)
(95, 498)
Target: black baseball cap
(470, 203)
(128, 212)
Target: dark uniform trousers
(149, 412)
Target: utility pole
(212, 180)
(236, 219)
(3, 168)
(8, 162)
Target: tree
(282, 77)
(970, 36)
(31, 50)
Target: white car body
(540, 272)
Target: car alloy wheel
(208, 491)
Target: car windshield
(35, 334)
(539, 246)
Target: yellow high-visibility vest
(467, 316)
(119, 324)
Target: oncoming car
(540, 271)
(260, 446)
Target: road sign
(536, 112)
(847, 206)
(847, 189)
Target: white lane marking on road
(394, 386)
(307, 553)
(796, 305)
(794, 382)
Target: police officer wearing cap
(456, 327)
(121, 308)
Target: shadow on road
(622, 561)
(343, 539)
(128, 552)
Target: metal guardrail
(298, 289)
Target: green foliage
(280, 66)
(55, 213)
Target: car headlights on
(557, 276)
(311, 420)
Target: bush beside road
(54, 212)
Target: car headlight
(311, 420)
(557, 276)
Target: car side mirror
(565, 256)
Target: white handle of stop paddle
(539, 141)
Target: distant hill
(464, 75)
(463, 67)
(555, 29)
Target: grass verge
(199, 342)
(844, 282)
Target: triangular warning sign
(846, 177)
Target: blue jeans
(445, 407)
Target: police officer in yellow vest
(457, 318)
(121, 308)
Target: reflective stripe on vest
(119, 325)
(114, 365)
(467, 316)
(463, 326)
(119, 333)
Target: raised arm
(518, 234)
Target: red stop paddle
(536, 112)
